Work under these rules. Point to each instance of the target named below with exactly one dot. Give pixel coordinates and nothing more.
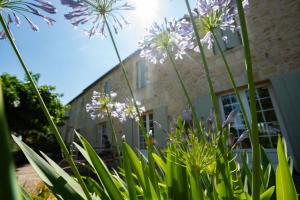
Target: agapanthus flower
(210, 15)
(130, 109)
(14, 9)
(162, 39)
(96, 12)
(101, 104)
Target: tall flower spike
(211, 15)
(161, 38)
(13, 9)
(95, 12)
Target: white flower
(209, 16)
(161, 40)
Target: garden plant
(198, 163)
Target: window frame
(244, 99)
(148, 128)
(100, 133)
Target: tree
(25, 115)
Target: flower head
(130, 110)
(211, 15)
(96, 12)
(101, 104)
(162, 39)
(15, 8)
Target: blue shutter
(287, 94)
(160, 115)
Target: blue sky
(67, 58)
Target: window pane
(266, 117)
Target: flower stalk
(233, 83)
(126, 78)
(195, 118)
(205, 65)
(45, 110)
(254, 131)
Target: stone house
(274, 33)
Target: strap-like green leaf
(100, 168)
(285, 188)
(55, 182)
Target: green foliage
(25, 115)
(177, 174)
(285, 188)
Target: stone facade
(274, 33)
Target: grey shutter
(233, 38)
(141, 72)
(160, 115)
(287, 94)
(107, 87)
(109, 131)
(219, 35)
(203, 106)
(128, 131)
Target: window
(266, 116)
(107, 87)
(148, 124)
(140, 74)
(232, 40)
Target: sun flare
(146, 10)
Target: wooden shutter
(128, 131)
(287, 94)
(109, 131)
(107, 87)
(160, 115)
(203, 106)
(141, 72)
(233, 38)
(219, 35)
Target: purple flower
(162, 39)
(232, 115)
(210, 15)
(96, 12)
(14, 9)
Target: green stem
(254, 131)
(115, 141)
(46, 112)
(205, 65)
(232, 81)
(126, 78)
(195, 117)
